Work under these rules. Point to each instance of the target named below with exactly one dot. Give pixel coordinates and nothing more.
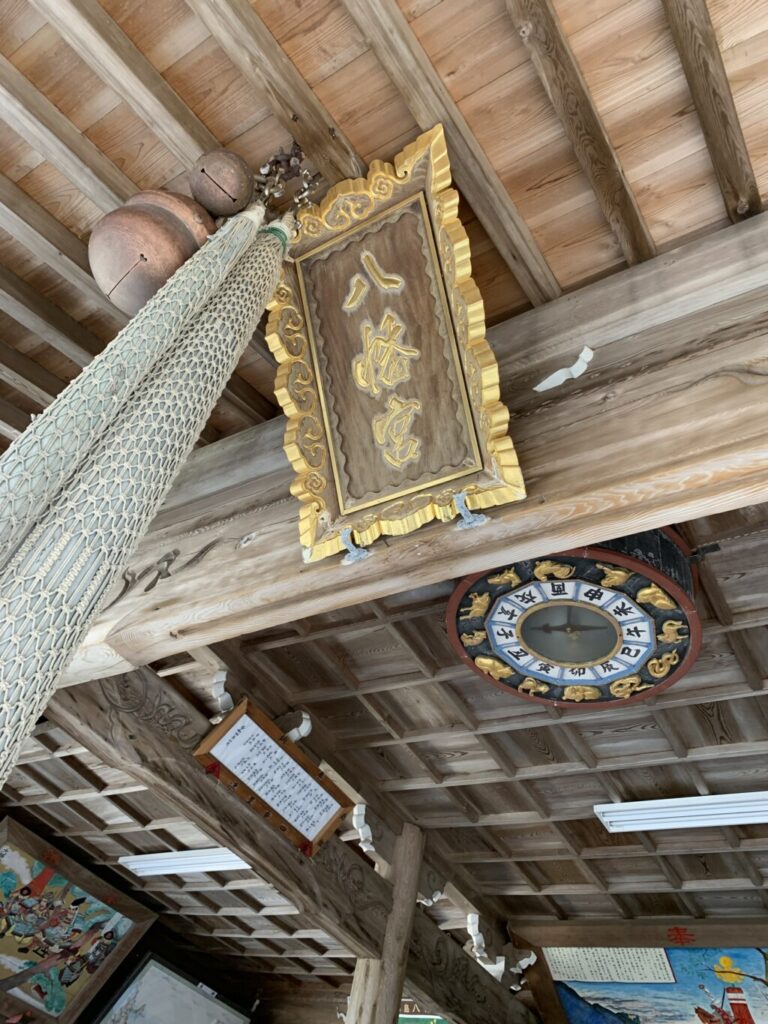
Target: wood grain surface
(702, 61)
(150, 730)
(541, 31)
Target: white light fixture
(686, 812)
(183, 862)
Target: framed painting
(390, 389)
(157, 994)
(665, 985)
(63, 931)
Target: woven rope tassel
(76, 545)
(50, 450)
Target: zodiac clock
(594, 626)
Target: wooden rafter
(540, 29)
(50, 323)
(51, 243)
(249, 44)
(54, 137)
(702, 61)
(12, 420)
(28, 377)
(424, 92)
(89, 30)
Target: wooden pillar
(377, 986)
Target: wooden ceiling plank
(54, 137)
(666, 849)
(50, 323)
(13, 421)
(255, 52)
(160, 757)
(28, 377)
(50, 242)
(511, 725)
(631, 887)
(655, 759)
(400, 53)
(541, 31)
(88, 29)
(702, 61)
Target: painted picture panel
(159, 995)
(62, 929)
(711, 986)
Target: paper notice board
(638, 965)
(250, 754)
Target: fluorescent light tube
(183, 862)
(686, 812)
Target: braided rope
(129, 449)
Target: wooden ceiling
(574, 134)
(504, 789)
(591, 140)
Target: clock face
(576, 629)
(570, 630)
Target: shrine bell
(222, 182)
(135, 249)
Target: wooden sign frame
(226, 777)
(16, 836)
(329, 518)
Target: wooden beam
(649, 436)
(391, 39)
(147, 729)
(12, 420)
(28, 377)
(54, 137)
(255, 52)
(50, 323)
(105, 48)
(551, 55)
(51, 243)
(538, 979)
(247, 400)
(746, 931)
(702, 62)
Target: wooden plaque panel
(64, 930)
(390, 388)
(251, 755)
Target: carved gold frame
(322, 529)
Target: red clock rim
(594, 552)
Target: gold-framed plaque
(389, 385)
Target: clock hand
(573, 630)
